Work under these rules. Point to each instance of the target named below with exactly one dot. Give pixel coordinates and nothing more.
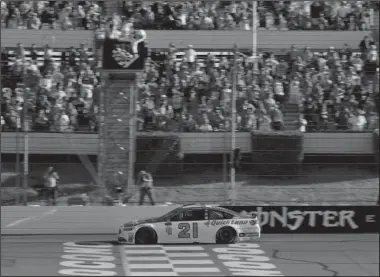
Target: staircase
(291, 115)
(114, 134)
(375, 27)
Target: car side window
(176, 217)
(190, 215)
(217, 215)
(198, 214)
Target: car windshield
(170, 214)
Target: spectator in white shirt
(127, 30)
(86, 91)
(139, 36)
(47, 82)
(343, 10)
(361, 123)
(182, 19)
(357, 62)
(34, 22)
(302, 123)
(206, 126)
(64, 123)
(190, 56)
(2, 123)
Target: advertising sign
(314, 219)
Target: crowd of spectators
(64, 15)
(192, 15)
(335, 90)
(59, 96)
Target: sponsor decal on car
(254, 234)
(169, 230)
(229, 222)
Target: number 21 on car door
(187, 232)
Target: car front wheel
(146, 236)
(226, 235)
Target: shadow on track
(115, 242)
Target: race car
(192, 224)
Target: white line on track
(145, 252)
(197, 269)
(157, 273)
(17, 222)
(149, 258)
(195, 262)
(183, 248)
(133, 246)
(124, 260)
(150, 266)
(186, 255)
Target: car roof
(206, 206)
(199, 205)
(192, 206)
(218, 208)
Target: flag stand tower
(117, 127)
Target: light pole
(25, 126)
(18, 168)
(254, 34)
(233, 130)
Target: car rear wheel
(226, 235)
(146, 236)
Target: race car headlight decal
(128, 224)
(128, 228)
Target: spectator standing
(145, 182)
(34, 22)
(277, 118)
(316, 9)
(365, 45)
(190, 56)
(51, 181)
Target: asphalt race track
(272, 255)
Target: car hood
(142, 221)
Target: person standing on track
(145, 182)
(51, 180)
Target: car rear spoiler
(248, 214)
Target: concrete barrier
(76, 220)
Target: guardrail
(211, 40)
(191, 143)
